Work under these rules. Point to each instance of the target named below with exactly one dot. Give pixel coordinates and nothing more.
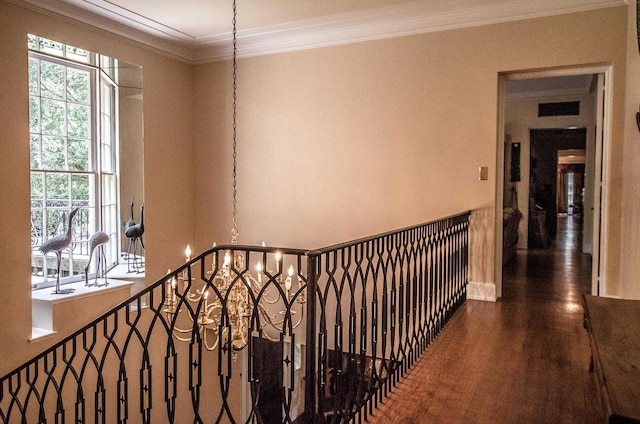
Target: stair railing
(380, 302)
(255, 334)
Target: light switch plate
(484, 173)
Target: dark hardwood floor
(523, 359)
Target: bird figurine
(97, 241)
(56, 245)
(134, 234)
(129, 223)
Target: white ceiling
(198, 31)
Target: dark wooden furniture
(614, 333)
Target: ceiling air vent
(559, 109)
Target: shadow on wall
(481, 243)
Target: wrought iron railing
(47, 223)
(315, 336)
(380, 302)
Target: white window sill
(38, 334)
(80, 291)
(65, 313)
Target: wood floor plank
(523, 359)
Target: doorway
(595, 183)
(571, 182)
(555, 184)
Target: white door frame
(603, 144)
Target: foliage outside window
(73, 148)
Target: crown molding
(160, 40)
(393, 21)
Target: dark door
(267, 363)
(543, 190)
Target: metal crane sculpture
(56, 245)
(97, 241)
(134, 234)
(128, 224)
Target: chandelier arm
(184, 301)
(264, 328)
(184, 331)
(263, 293)
(206, 345)
(270, 302)
(182, 339)
(265, 314)
(300, 320)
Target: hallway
(523, 359)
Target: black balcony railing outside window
(328, 334)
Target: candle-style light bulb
(287, 282)
(170, 298)
(278, 257)
(259, 271)
(169, 288)
(227, 263)
(187, 253)
(203, 313)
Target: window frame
(95, 207)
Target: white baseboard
(481, 291)
(587, 248)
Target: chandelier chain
(234, 230)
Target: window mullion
(45, 222)
(97, 133)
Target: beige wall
(630, 263)
(131, 154)
(333, 143)
(167, 146)
(342, 142)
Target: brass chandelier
(235, 294)
(231, 296)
